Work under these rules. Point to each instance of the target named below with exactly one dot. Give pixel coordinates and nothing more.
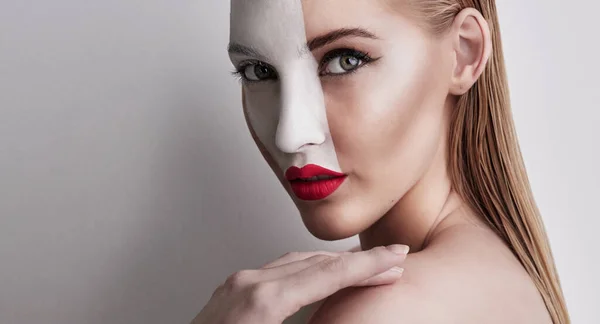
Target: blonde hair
(485, 162)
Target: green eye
(346, 63)
(343, 61)
(343, 64)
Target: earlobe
(472, 47)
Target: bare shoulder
(305, 313)
(465, 275)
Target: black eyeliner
(363, 56)
(346, 51)
(239, 71)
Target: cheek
(261, 113)
(387, 114)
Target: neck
(428, 207)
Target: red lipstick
(313, 182)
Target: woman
(390, 119)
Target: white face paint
(384, 81)
(287, 114)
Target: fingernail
(399, 248)
(397, 269)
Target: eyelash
(239, 72)
(365, 57)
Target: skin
(385, 126)
(280, 288)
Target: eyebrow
(234, 48)
(337, 34)
(313, 44)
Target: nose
(302, 119)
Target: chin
(333, 220)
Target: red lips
(306, 187)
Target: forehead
(288, 24)
(284, 26)
(269, 24)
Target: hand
(279, 289)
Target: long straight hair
(485, 161)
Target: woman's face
(349, 91)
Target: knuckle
(264, 298)
(316, 259)
(334, 264)
(239, 279)
(289, 255)
(379, 250)
(319, 257)
(218, 291)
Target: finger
(297, 256)
(327, 277)
(276, 272)
(385, 278)
(287, 269)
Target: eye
(342, 64)
(255, 72)
(343, 61)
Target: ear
(472, 45)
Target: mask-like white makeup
(288, 114)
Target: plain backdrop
(130, 187)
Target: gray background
(130, 187)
